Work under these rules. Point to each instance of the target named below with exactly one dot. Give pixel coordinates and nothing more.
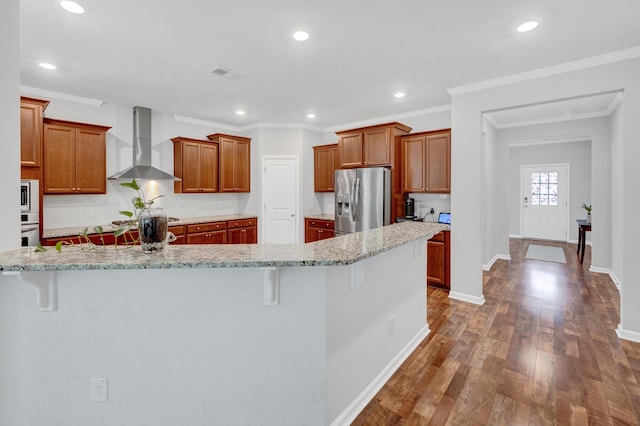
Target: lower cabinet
(207, 233)
(180, 231)
(438, 265)
(244, 231)
(315, 230)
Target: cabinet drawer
(242, 223)
(438, 237)
(206, 227)
(324, 224)
(177, 230)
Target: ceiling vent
(225, 72)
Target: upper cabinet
(195, 162)
(74, 158)
(326, 160)
(426, 162)
(235, 162)
(369, 146)
(31, 112)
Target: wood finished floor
(542, 350)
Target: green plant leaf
(59, 246)
(133, 185)
(84, 232)
(126, 213)
(119, 232)
(98, 229)
(40, 248)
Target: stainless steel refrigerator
(362, 199)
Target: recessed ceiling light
(311, 116)
(399, 95)
(240, 112)
(72, 7)
(47, 66)
(301, 35)
(527, 26)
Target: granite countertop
(320, 216)
(73, 231)
(343, 250)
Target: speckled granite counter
(73, 231)
(343, 250)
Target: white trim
(349, 414)
(59, 95)
(205, 123)
(476, 300)
(515, 236)
(608, 271)
(594, 61)
(489, 265)
(633, 336)
(388, 118)
(614, 103)
(549, 140)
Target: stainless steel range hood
(142, 168)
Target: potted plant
(588, 209)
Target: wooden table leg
(579, 239)
(584, 237)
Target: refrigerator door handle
(356, 200)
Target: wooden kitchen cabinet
(426, 162)
(234, 163)
(370, 146)
(243, 231)
(180, 231)
(74, 158)
(438, 260)
(31, 115)
(207, 233)
(316, 229)
(195, 162)
(326, 160)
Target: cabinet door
(235, 236)
(59, 159)
(208, 168)
(438, 167)
(435, 263)
(30, 135)
(377, 147)
(323, 168)
(227, 154)
(91, 169)
(251, 235)
(350, 150)
(242, 164)
(413, 164)
(190, 167)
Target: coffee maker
(409, 208)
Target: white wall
(467, 178)
(577, 155)
(10, 124)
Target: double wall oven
(30, 212)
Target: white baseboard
(489, 265)
(357, 405)
(477, 300)
(515, 236)
(607, 271)
(633, 336)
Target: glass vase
(152, 225)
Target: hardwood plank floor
(542, 350)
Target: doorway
(280, 222)
(545, 193)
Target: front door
(544, 201)
(280, 199)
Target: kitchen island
(210, 334)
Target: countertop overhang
(343, 250)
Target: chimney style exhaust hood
(142, 168)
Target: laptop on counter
(444, 218)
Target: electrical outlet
(392, 324)
(99, 389)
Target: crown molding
(608, 58)
(205, 123)
(389, 118)
(58, 95)
(558, 119)
(549, 140)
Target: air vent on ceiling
(225, 72)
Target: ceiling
(158, 54)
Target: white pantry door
(545, 190)
(280, 199)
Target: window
(544, 189)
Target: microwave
(29, 195)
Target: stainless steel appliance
(362, 199)
(409, 208)
(29, 212)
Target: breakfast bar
(211, 334)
